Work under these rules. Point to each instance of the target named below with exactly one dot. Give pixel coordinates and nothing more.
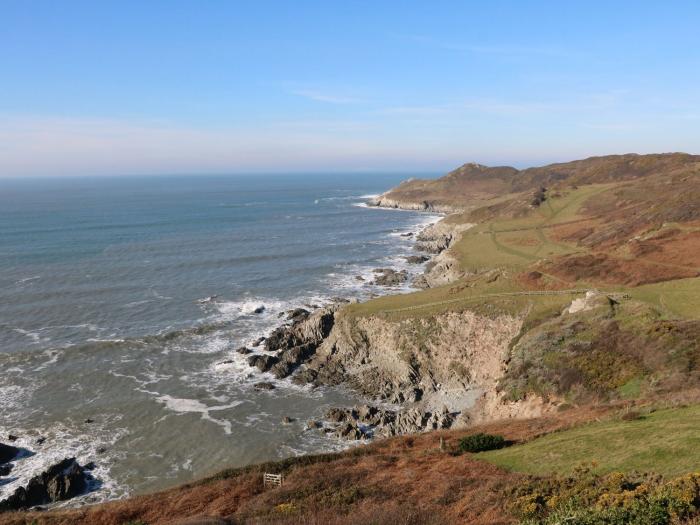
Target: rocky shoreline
(61, 481)
(405, 393)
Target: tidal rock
(389, 277)
(258, 310)
(6, 469)
(258, 342)
(298, 314)
(7, 453)
(264, 385)
(287, 420)
(12, 437)
(262, 362)
(40, 440)
(60, 482)
(313, 424)
(417, 259)
(89, 421)
(243, 350)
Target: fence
(272, 480)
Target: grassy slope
(665, 442)
(515, 245)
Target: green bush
(481, 442)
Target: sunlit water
(104, 316)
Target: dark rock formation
(367, 421)
(60, 482)
(7, 453)
(264, 385)
(6, 469)
(389, 277)
(417, 259)
(262, 362)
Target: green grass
(679, 298)
(666, 442)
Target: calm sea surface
(122, 298)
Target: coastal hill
(471, 184)
(546, 370)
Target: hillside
(473, 185)
(561, 309)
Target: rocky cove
(417, 374)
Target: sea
(123, 299)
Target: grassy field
(666, 442)
(679, 298)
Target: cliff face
(447, 360)
(443, 267)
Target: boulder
(264, 385)
(262, 362)
(7, 453)
(389, 277)
(417, 259)
(60, 482)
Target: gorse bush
(481, 442)
(612, 499)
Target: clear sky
(204, 86)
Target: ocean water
(122, 301)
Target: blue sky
(236, 86)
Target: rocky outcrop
(293, 344)
(7, 453)
(428, 364)
(367, 421)
(60, 482)
(383, 201)
(444, 267)
(390, 277)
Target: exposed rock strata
(382, 201)
(292, 344)
(444, 267)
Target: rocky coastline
(416, 375)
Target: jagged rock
(313, 424)
(417, 259)
(7, 453)
(262, 362)
(264, 385)
(389, 277)
(298, 314)
(6, 469)
(243, 350)
(336, 415)
(258, 342)
(40, 440)
(291, 359)
(60, 482)
(12, 437)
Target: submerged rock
(264, 385)
(60, 482)
(6, 469)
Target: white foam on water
(184, 406)
(82, 441)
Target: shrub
(481, 442)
